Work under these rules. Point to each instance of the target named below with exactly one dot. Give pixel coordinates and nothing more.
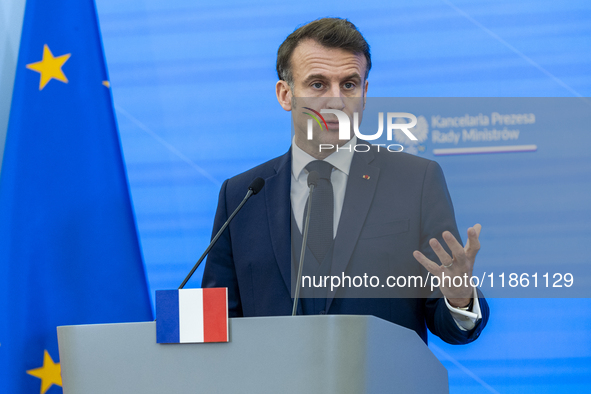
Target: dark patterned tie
(321, 219)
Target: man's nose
(335, 98)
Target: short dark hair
(329, 32)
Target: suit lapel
(358, 198)
(277, 195)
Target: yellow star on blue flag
(50, 67)
(50, 373)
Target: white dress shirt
(341, 162)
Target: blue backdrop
(193, 85)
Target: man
(377, 208)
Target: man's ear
(283, 93)
(365, 94)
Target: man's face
(323, 78)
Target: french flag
(192, 315)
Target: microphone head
(256, 185)
(313, 177)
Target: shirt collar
(340, 159)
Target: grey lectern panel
(302, 354)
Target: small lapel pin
(366, 177)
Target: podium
(301, 354)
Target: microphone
(255, 186)
(313, 177)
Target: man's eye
(349, 85)
(317, 85)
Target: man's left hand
(460, 264)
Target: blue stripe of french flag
(192, 315)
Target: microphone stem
(304, 241)
(214, 240)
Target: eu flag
(69, 250)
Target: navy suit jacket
(403, 204)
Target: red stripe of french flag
(215, 317)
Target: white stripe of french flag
(192, 315)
